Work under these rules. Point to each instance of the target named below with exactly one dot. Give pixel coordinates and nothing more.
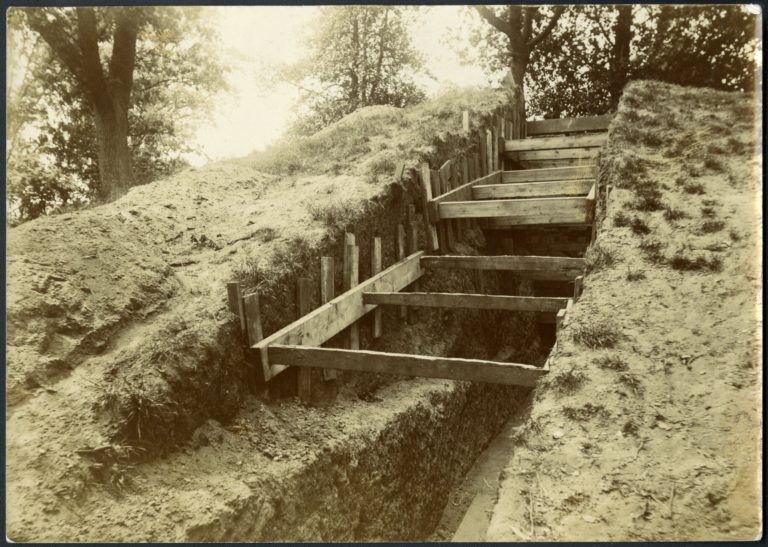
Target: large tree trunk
(114, 154)
(620, 53)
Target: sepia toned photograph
(383, 273)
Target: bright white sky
(254, 115)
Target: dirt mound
(648, 427)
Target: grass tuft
(711, 226)
(599, 333)
(671, 214)
(612, 362)
(585, 412)
(634, 276)
(682, 262)
(598, 257)
(569, 381)
(653, 250)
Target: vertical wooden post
(494, 148)
(426, 187)
(437, 190)
(327, 290)
(447, 225)
(400, 247)
(351, 279)
(465, 120)
(503, 135)
(456, 181)
(412, 237)
(577, 287)
(304, 377)
(478, 168)
(235, 301)
(483, 155)
(254, 334)
(489, 151)
(376, 268)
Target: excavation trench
(401, 454)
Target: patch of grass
(621, 219)
(671, 214)
(639, 226)
(686, 263)
(734, 235)
(612, 362)
(585, 413)
(598, 257)
(693, 171)
(695, 188)
(596, 333)
(569, 381)
(630, 428)
(337, 214)
(653, 250)
(634, 276)
(714, 164)
(711, 226)
(632, 382)
(708, 212)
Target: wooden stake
(483, 154)
(327, 292)
(351, 279)
(235, 300)
(426, 186)
(304, 376)
(445, 184)
(577, 287)
(254, 335)
(465, 120)
(441, 231)
(400, 246)
(490, 165)
(376, 268)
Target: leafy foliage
(52, 159)
(359, 56)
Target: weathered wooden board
(549, 174)
(576, 187)
(329, 319)
(535, 267)
(462, 193)
(466, 301)
(559, 154)
(568, 125)
(554, 163)
(474, 370)
(521, 211)
(548, 143)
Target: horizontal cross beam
(466, 301)
(532, 267)
(474, 370)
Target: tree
(124, 82)
(524, 27)
(360, 56)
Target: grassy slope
(649, 426)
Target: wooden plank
(568, 125)
(400, 247)
(578, 284)
(577, 187)
(252, 313)
(376, 268)
(235, 302)
(447, 226)
(489, 151)
(323, 323)
(437, 191)
(549, 174)
(465, 121)
(466, 301)
(399, 170)
(426, 187)
(483, 154)
(548, 143)
(549, 267)
(565, 162)
(327, 291)
(474, 370)
(304, 376)
(351, 279)
(526, 211)
(559, 154)
(462, 193)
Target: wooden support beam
(437, 190)
(235, 301)
(327, 292)
(376, 268)
(465, 121)
(568, 125)
(462, 193)
(426, 187)
(401, 247)
(303, 306)
(489, 151)
(549, 143)
(533, 267)
(521, 211)
(549, 174)
(351, 279)
(322, 323)
(577, 187)
(466, 301)
(559, 154)
(252, 314)
(473, 370)
(483, 154)
(445, 185)
(543, 164)
(578, 284)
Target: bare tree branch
(493, 19)
(558, 11)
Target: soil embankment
(133, 415)
(649, 426)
